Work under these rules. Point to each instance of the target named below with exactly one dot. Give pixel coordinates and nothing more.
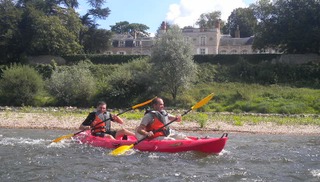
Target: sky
(152, 12)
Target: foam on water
(61, 144)
(153, 156)
(8, 141)
(315, 173)
(224, 152)
(11, 141)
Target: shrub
(46, 69)
(202, 119)
(127, 84)
(20, 84)
(206, 72)
(73, 85)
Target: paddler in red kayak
(99, 122)
(155, 119)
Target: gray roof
(122, 36)
(227, 40)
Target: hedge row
(213, 59)
(101, 58)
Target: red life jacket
(101, 124)
(98, 126)
(159, 120)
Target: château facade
(204, 41)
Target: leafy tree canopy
(39, 27)
(209, 20)
(244, 19)
(173, 66)
(134, 29)
(290, 26)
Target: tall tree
(172, 62)
(90, 27)
(134, 29)
(208, 20)
(138, 29)
(34, 27)
(50, 34)
(10, 41)
(120, 27)
(97, 40)
(244, 19)
(290, 26)
(38, 27)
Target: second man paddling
(99, 122)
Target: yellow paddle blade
(121, 150)
(143, 104)
(203, 102)
(63, 138)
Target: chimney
(202, 28)
(237, 32)
(164, 26)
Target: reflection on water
(28, 155)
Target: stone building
(204, 41)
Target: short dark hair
(102, 103)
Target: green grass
(134, 115)
(256, 119)
(243, 103)
(254, 98)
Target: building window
(138, 43)
(244, 52)
(233, 52)
(202, 51)
(202, 41)
(223, 52)
(108, 52)
(263, 51)
(121, 52)
(121, 43)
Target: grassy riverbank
(255, 98)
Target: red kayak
(206, 145)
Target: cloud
(187, 12)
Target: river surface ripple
(28, 155)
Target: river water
(28, 155)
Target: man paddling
(99, 122)
(156, 119)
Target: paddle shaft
(186, 112)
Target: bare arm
(141, 129)
(172, 117)
(82, 127)
(117, 119)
